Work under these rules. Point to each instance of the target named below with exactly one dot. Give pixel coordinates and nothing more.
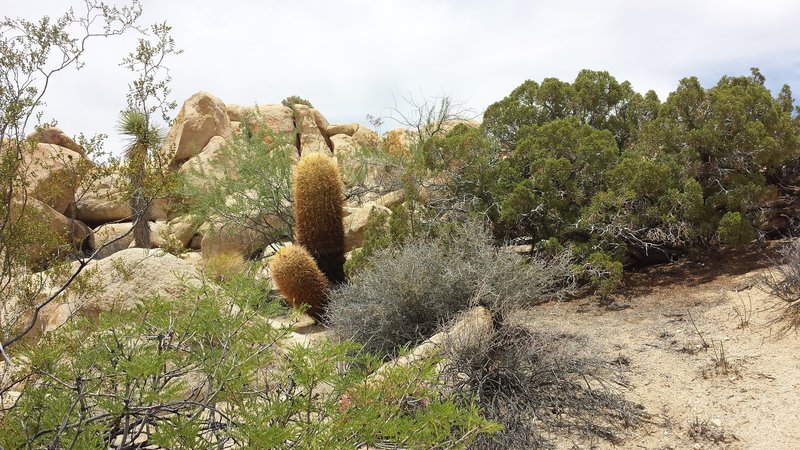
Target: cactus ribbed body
(299, 279)
(318, 213)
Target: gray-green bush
(783, 281)
(406, 293)
(536, 384)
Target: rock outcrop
(348, 129)
(52, 174)
(201, 117)
(278, 118)
(343, 145)
(54, 231)
(312, 128)
(105, 201)
(114, 236)
(121, 282)
(202, 163)
(56, 136)
(177, 233)
(222, 237)
(355, 224)
(399, 141)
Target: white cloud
(350, 57)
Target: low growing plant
(783, 282)
(406, 292)
(537, 384)
(205, 370)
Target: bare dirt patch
(702, 354)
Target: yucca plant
(142, 138)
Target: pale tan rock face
(57, 230)
(391, 199)
(202, 163)
(56, 136)
(356, 222)
(105, 201)
(343, 145)
(352, 161)
(220, 236)
(278, 118)
(311, 126)
(399, 141)
(321, 122)
(236, 112)
(122, 281)
(177, 232)
(348, 129)
(119, 233)
(364, 137)
(52, 174)
(201, 117)
(471, 326)
(69, 231)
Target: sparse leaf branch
(82, 263)
(150, 90)
(426, 116)
(31, 54)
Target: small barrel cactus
(299, 279)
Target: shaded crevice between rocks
(323, 131)
(297, 132)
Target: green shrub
(247, 185)
(735, 230)
(601, 168)
(560, 165)
(207, 370)
(292, 100)
(605, 272)
(381, 232)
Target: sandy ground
(702, 354)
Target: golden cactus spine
(318, 197)
(299, 279)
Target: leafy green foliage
(292, 100)
(246, 186)
(148, 95)
(561, 166)
(206, 369)
(605, 272)
(32, 236)
(468, 168)
(595, 98)
(143, 137)
(606, 171)
(735, 230)
(381, 232)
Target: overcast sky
(352, 58)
